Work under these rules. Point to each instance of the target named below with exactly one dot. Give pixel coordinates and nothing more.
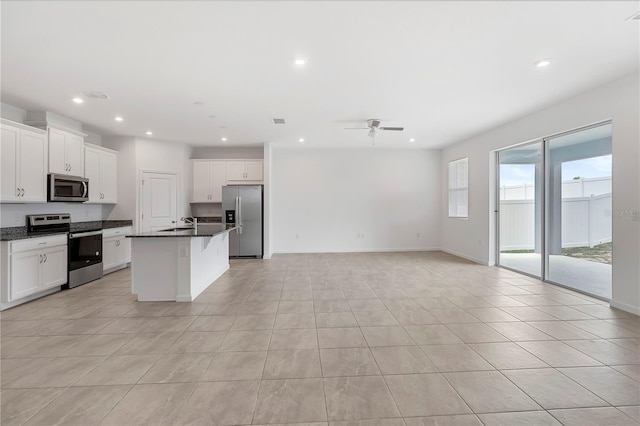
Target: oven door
(85, 249)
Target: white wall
(616, 101)
(223, 153)
(321, 199)
(12, 113)
(14, 214)
(170, 157)
(136, 155)
(126, 207)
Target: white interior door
(159, 201)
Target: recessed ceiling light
(542, 63)
(211, 116)
(118, 118)
(301, 140)
(149, 132)
(300, 62)
(198, 103)
(78, 100)
(223, 139)
(412, 140)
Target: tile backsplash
(14, 214)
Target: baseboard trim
(7, 305)
(464, 256)
(625, 307)
(355, 250)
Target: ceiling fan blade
(392, 128)
(356, 128)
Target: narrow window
(459, 188)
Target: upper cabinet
(101, 167)
(209, 176)
(239, 171)
(23, 155)
(66, 152)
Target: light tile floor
(341, 339)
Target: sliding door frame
(544, 267)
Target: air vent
(278, 121)
(96, 95)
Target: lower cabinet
(32, 266)
(116, 248)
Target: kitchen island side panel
(154, 268)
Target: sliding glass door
(578, 210)
(554, 209)
(520, 208)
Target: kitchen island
(178, 264)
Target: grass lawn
(600, 253)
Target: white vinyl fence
(586, 222)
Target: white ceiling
(443, 70)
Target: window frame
(460, 186)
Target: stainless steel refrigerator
(242, 205)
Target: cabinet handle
(17, 192)
(45, 258)
(40, 258)
(43, 243)
(22, 189)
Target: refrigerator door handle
(240, 215)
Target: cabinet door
(8, 154)
(54, 267)
(108, 180)
(109, 253)
(32, 166)
(57, 152)
(253, 170)
(124, 250)
(201, 192)
(25, 274)
(217, 179)
(235, 170)
(75, 155)
(92, 172)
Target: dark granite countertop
(209, 219)
(202, 230)
(106, 224)
(20, 232)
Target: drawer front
(38, 243)
(114, 232)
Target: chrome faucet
(191, 220)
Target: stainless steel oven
(68, 188)
(85, 257)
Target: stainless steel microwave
(68, 188)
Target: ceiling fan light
(372, 133)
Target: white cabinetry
(33, 266)
(101, 168)
(239, 171)
(23, 155)
(66, 152)
(209, 176)
(116, 249)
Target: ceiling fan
(373, 125)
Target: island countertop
(202, 230)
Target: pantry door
(159, 201)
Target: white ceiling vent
(278, 121)
(96, 95)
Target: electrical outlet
(362, 235)
(297, 237)
(417, 235)
(19, 218)
(183, 252)
(479, 242)
(86, 214)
